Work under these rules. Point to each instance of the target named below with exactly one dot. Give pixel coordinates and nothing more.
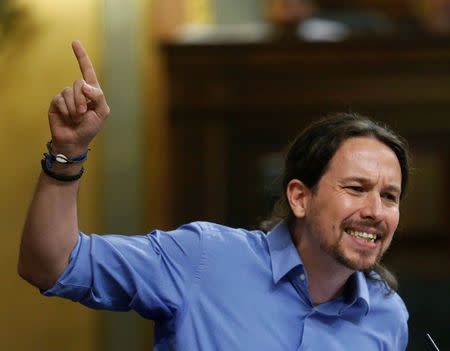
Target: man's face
(354, 212)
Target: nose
(372, 207)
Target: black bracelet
(60, 177)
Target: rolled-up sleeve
(150, 274)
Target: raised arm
(76, 115)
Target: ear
(298, 195)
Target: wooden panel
(242, 102)
(233, 108)
(395, 9)
(358, 73)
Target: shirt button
(302, 276)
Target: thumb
(97, 97)
(92, 92)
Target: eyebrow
(362, 180)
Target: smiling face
(352, 215)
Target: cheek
(345, 203)
(394, 218)
(343, 210)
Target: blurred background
(205, 94)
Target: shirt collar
(358, 294)
(284, 257)
(283, 254)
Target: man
(312, 283)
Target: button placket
(302, 290)
(307, 343)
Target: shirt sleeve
(150, 274)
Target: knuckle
(98, 92)
(67, 91)
(62, 108)
(64, 112)
(56, 99)
(60, 101)
(103, 111)
(80, 98)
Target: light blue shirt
(210, 287)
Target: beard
(364, 260)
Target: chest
(262, 316)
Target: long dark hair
(310, 153)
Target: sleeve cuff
(56, 289)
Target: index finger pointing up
(87, 70)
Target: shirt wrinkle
(224, 290)
(196, 277)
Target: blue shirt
(211, 287)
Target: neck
(326, 276)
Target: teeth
(363, 235)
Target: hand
(77, 114)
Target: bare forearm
(76, 116)
(50, 232)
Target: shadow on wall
(15, 22)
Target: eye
(356, 188)
(391, 197)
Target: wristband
(61, 158)
(60, 177)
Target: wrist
(63, 173)
(69, 150)
(67, 169)
(62, 167)
(60, 158)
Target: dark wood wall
(231, 105)
(393, 9)
(234, 107)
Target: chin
(364, 264)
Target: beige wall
(36, 62)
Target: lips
(369, 237)
(366, 230)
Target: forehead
(365, 157)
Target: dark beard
(338, 255)
(334, 249)
(356, 266)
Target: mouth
(367, 237)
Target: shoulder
(386, 301)
(224, 238)
(187, 235)
(389, 313)
(230, 233)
